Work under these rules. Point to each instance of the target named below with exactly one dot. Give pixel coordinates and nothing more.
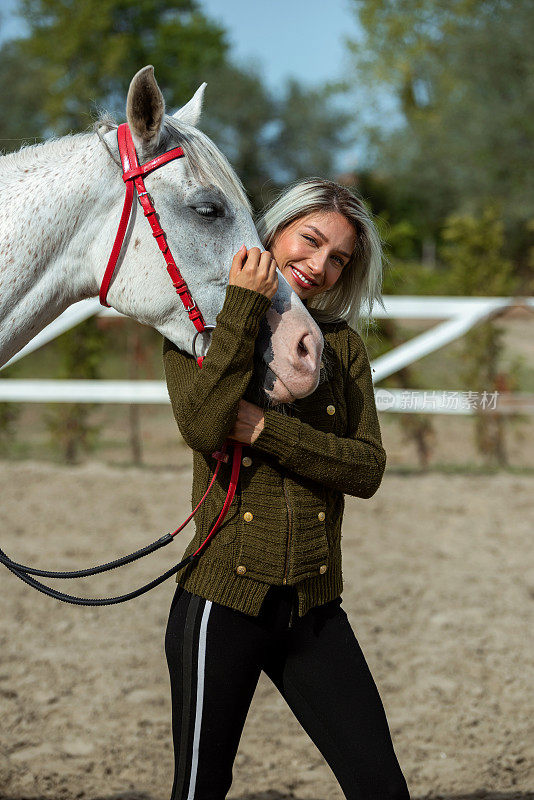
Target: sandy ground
(439, 588)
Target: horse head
(206, 215)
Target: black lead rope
(23, 572)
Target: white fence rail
(460, 313)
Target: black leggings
(215, 655)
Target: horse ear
(145, 108)
(190, 113)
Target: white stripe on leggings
(200, 698)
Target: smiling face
(312, 251)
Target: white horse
(62, 202)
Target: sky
(303, 39)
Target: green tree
(272, 141)
(238, 112)
(460, 77)
(23, 89)
(473, 249)
(311, 131)
(87, 52)
(70, 424)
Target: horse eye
(208, 210)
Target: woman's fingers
(249, 423)
(265, 261)
(253, 259)
(254, 269)
(237, 261)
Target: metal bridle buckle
(143, 194)
(206, 328)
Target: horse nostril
(302, 347)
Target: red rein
(133, 174)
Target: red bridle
(132, 175)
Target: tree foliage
(70, 424)
(474, 249)
(23, 89)
(311, 131)
(272, 141)
(462, 77)
(88, 51)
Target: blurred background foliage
(462, 77)
(447, 171)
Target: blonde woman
(266, 594)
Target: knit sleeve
(205, 401)
(353, 464)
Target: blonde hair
(353, 295)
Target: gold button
(241, 569)
(322, 569)
(321, 515)
(248, 517)
(330, 410)
(246, 461)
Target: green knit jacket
(284, 523)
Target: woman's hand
(254, 270)
(249, 423)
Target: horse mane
(206, 162)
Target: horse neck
(57, 194)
